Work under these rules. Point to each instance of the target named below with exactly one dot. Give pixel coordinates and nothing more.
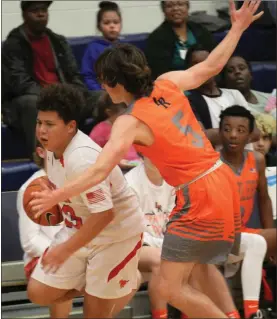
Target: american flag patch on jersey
(95, 197)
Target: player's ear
(72, 125)
(40, 152)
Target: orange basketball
(52, 216)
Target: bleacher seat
(79, 44)
(256, 44)
(264, 76)
(14, 174)
(13, 144)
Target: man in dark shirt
(33, 56)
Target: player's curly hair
(266, 124)
(65, 99)
(125, 64)
(238, 111)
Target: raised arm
(122, 137)
(201, 72)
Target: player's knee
(166, 289)
(37, 296)
(260, 245)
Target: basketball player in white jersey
(98, 248)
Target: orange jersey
(181, 151)
(247, 180)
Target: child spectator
(267, 126)
(100, 134)
(109, 24)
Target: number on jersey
(70, 219)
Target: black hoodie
(18, 76)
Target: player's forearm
(91, 228)
(94, 175)
(213, 136)
(218, 58)
(266, 214)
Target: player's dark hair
(65, 99)
(106, 6)
(237, 111)
(194, 48)
(105, 102)
(125, 64)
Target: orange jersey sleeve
(181, 150)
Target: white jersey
(34, 238)
(156, 202)
(113, 193)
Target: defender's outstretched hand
(243, 17)
(43, 200)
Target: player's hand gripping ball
(52, 216)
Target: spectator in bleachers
(267, 126)
(108, 112)
(35, 239)
(237, 75)
(109, 24)
(209, 100)
(167, 45)
(33, 56)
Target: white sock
(254, 248)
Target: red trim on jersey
(125, 261)
(29, 268)
(62, 161)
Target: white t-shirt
(218, 104)
(227, 99)
(156, 202)
(33, 237)
(262, 98)
(113, 193)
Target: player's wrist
(236, 29)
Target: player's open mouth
(43, 140)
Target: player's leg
(209, 280)
(110, 285)
(60, 310)
(42, 294)
(95, 307)
(253, 247)
(150, 258)
(66, 283)
(172, 284)
(201, 230)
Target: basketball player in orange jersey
(161, 124)
(236, 127)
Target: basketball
(52, 216)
